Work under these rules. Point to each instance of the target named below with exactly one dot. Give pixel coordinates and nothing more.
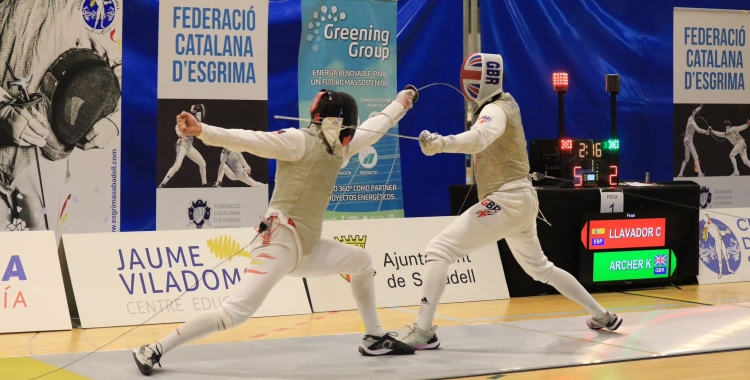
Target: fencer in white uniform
(184, 147)
(289, 240)
(740, 147)
(687, 141)
(508, 208)
(235, 167)
(711, 229)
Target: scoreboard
(581, 162)
(626, 248)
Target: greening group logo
(320, 18)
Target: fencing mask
(336, 104)
(82, 89)
(199, 111)
(481, 76)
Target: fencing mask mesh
(337, 104)
(83, 89)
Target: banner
(351, 47)
(711, 104)
(724, 246)
(32, 285)
(125, 279)
(397, 249)
(213, 63)
(60, 125)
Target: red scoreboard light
(624, 233)
(566, 145)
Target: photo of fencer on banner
(60, 125)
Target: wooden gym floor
(726, 365)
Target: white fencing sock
(568, 286)
(196, 328)
(363, 289)
(434, 285)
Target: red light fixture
(566, 145)
(560, 82)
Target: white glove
(406, 98)
(404, 102)
(431, 143)
(25, 125)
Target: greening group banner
(351, 47)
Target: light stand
(560, 84)
(613, 87)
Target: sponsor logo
(355, 240)
(718, 247)
(424, 301)
(99, 15)
(490, 208)
(368, 157)
(199, 213)
(329, 23)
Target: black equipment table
(563, 209)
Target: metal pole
(613, 103)
(560, 114)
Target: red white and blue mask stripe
(475, 85)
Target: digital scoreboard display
(626, 248)
(580, 162)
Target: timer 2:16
(596, 149)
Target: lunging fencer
(509, 205)
(289, 240)
(687, 141)
(740, 147)
(235, 167)
(184, 147)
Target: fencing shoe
(146, 357)
(420, 339)
(610, 322)
(383, 345)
